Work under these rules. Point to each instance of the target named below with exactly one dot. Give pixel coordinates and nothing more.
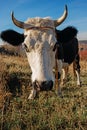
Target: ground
(47, 111)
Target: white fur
(78, 78)
(32, 94)
(40, 43)
(40, 22)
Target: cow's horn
(62, 18)
(19, 23)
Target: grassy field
(47, 111)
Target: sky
(24, 9)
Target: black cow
(67, 51)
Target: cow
(38, 39)
(68, 52)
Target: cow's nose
(46, 85)
(43, 86)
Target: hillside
(83, 49)
(83, 41)
(83, 45)
(7, 49)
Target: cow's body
(68, 52)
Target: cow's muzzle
(43, 86)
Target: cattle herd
(44, 45)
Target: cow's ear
(12, 37)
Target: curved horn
(19, 23)
(62, 18)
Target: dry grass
(47, 111)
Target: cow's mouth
(43, 86)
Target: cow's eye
(25, 36)
(26, 48)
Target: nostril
(50, 85)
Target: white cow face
(39, 44)
(39, 39)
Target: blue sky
(24, 9)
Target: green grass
(47, 111)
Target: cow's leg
(58, 77)
(64, 74)
(34, 91)
(32, 94)
(76, 69)
(78, 78)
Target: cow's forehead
(37, 21)
(44, 34)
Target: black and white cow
(39, 39)
(67, 52)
